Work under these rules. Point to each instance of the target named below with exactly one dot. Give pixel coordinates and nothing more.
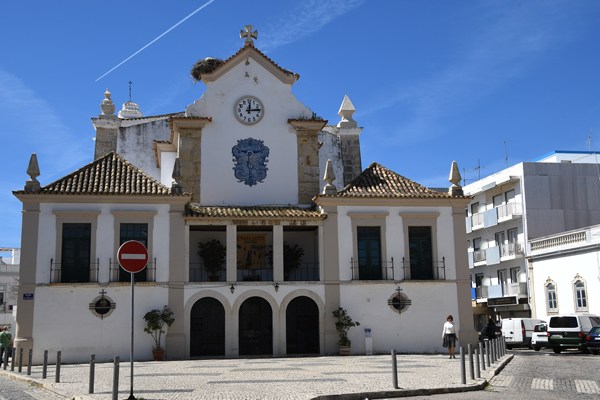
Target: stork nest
(205, 66)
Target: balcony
(412, 271)
(507, 290)
(479, 257)
(509, 211)
(511, 250)
(382, 271)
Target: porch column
(278, 253)
(231, 263)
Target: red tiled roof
(108, 175)
(196, 210)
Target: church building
(259, 223)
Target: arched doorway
(207, 328)
(302, 326)
(256, 327)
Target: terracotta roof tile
(196, 210)
(108, 175)
(379, 182)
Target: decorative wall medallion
(250, 157)
(399, 301)
(102, 306)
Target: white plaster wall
(167, 161)
(136, 144)
(64, 322)
(105, 246)
(218, 183)
(562, 270)
(418, 329)
(394, 236)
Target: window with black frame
(137, 232)
(75, 253)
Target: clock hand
(248, 109)
(254, 109)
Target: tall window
(551, 302)
(369, 252)
(138, 232)
(75, 253)
(497, 200)
(499, 238)
(420, 252)
(580, 296)
(509, 196)
(514, 275)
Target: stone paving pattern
(275, 378)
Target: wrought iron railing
(148, 274)
(384, 271)
(256, 274)
(308, 271)
(434, 272)
(56, 273)
(198, 273)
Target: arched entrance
(302, 326)
(256, 327)
(207, 328)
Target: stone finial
(346, 111)
(107, 106)
(176, 187)
(130, 110)
(33, 170)
(329, 177)
(454, 178)
(249, 35)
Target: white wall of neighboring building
(563, 259)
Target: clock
(248, 110)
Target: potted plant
(156, 323)
(213, 254)
(292, 256)
(343, 323)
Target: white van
(517, 331)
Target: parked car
(517, 331)
(539, 336)
(592, 340)
(570, 331)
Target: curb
(415, 392)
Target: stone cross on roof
(249, 35)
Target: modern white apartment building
(9, 279)
(557, 193)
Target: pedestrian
(4, 343)
(490, 329)
(449, 337)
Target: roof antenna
(130, 83)
(505, 155)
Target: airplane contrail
(158, 37)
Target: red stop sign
(132, 256)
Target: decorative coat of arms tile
(250, 157)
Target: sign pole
(133, 257)
(131, 396)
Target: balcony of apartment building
(253, 254)
(496, 254)
(494, 216)
(501, 294)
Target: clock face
(248, 110)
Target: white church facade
(248, 245)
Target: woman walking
(449, 336)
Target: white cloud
(304, 20)
(509, 41)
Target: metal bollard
(29, 360)
(115, 391)
(57, 376)
(503, 340)
(488, 344)
(12, 359)
(481, 352)
(92, 367)
(45, 366)
(470, 353)
(20, 369)
(463, 372)
(477, 370)
(494, 351)
(394, 370)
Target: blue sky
(432, 81)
